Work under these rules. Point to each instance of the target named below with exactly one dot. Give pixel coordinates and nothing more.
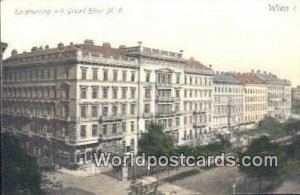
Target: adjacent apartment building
(228, 103)
(67, 102)
(255, 106)
(279, 95)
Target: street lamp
(233, 189)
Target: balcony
(199, 124)
(148, 115)
(111, 118)
(46, 135)
(45, 116)
(110, 137)
(164, 85)
(165, 99)
(199, 112)
(166, 114)
(170, 129)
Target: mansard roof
(194, 66)
(248, 78)
(226, 79)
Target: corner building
(74, 100)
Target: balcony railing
(199, 124)
(148, 115)
(46, 135)
(164, 85)
(111, 118)
(114, 136)
(166, 114)
(199, 112)
(165, 99)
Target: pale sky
(232, 35)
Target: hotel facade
(66, 103)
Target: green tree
(292, 154)
(292, 126)
(270, 125)
(155, 142)
(20, 172)
(263, 147)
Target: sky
(231, 35)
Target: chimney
(106, 44)
(140, 43)
(217, 72)
(88, 42)
(60, 45)
(14, 52)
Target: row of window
(106, 76)
(34, 75)
(196, 106)
(224, 120)
(30, 109)
(194, 92)
(106, 129)
(256, 99)
(107, 110)
(228, 89)
(225, 109)
(255, 91)
(255, 117)
(228, 100)
(197, 80)
(197, 134)
(113, 90)
(30, 92)
(257, 107)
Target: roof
(193, 64)
(226, 78)
(248, 78)
(102, 49)
(72, 47)
(271, 79)
(43, 52)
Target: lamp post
(233, 189)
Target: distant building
(296, 93)
(255, 98)
(279, 95)
(228, 102)
(296, 101)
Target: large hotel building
(66, 103)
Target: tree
(270, 125)
(155, 142)
(20, 172)
(292, 126)
(263, 147)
